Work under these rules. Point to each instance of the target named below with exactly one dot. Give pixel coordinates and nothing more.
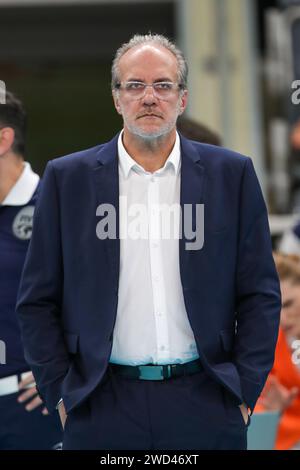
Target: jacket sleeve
(40, 296)
(258, 299)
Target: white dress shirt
(151, 325)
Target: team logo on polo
(22, 224)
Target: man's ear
(117, 102)
(7, 137)
(183, 102)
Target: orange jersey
(288, 374)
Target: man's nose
(149, 97)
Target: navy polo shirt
(15, 233)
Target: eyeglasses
(136, 90)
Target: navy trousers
(27, 430)
(190, 412)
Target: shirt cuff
(59, 403)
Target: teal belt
(157, 372)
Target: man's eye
(163, 86)
(134, 86)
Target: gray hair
(140, 40)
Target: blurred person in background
(194, 130)
(290, 240)
(282, 389)
(294, 134)
(24, 421)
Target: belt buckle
(167, 370)
(148, 372)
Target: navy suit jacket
(68, 295)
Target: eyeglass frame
(119, 87)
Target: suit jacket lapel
(106, 178)
(191, 192)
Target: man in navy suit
(146, 341)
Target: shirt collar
(127, 163)
(23, 190)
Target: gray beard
(153, 139)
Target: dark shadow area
(58, 59)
